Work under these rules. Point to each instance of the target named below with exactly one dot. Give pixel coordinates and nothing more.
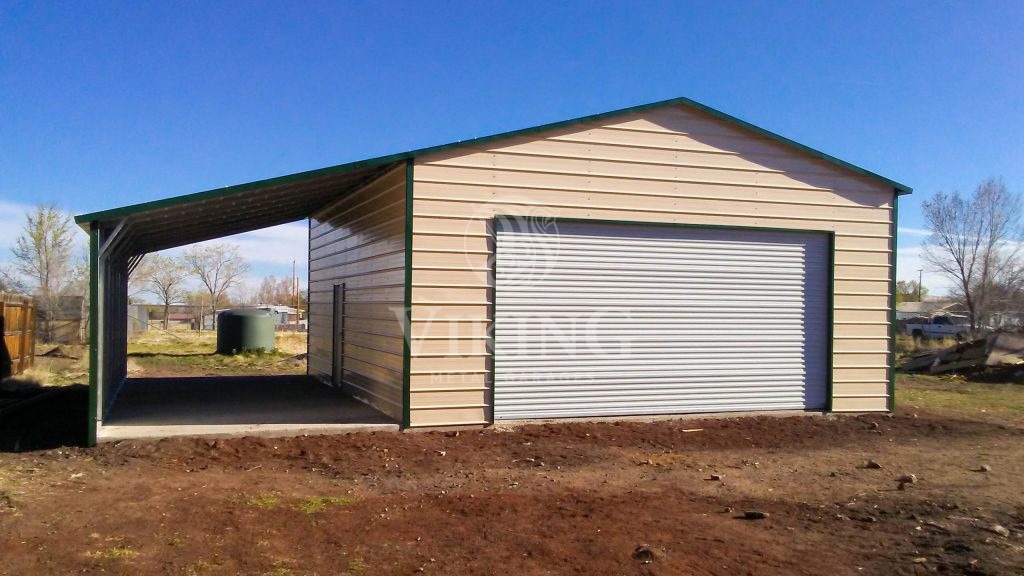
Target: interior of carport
(122, 407)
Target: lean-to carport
(119, 238)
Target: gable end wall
(668, 165)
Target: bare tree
(244, 294)
(163, 277)
(276, 291)
(974, 242)
(78, 283)
(137, 279)
(11, 282)
(198, 305)
(43, 253)
(219, 268)
(910, 291)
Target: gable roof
(295, 196)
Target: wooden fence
(18, 326)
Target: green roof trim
(107, 215)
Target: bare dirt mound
(667, 497)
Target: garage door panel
(599, 319)
(598, 357)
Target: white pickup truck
(944, 326)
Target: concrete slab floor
(236, 406)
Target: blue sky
(106, 104)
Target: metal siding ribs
(601, 319)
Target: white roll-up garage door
(606, 319)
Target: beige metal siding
(666, 165)
(360, 241)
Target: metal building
(666, 258)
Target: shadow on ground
(170, 355)
(34, 417)
(236, 400)
(51, 417)
(1013, 374)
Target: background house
(1005, 315)
(284, 317)
(929, 306)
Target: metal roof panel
(292, 197)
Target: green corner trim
(94, 253)
(107, 215)
(406, 349)
(830, 382)
(892, 303)
(491, 345)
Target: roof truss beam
(114, 237)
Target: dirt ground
(567, 498)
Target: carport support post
(6, 362)
(95, 333)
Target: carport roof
(170, 222)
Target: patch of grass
(178, 343)
(198, 567)
(957, 396)
(357, 566)
(279, 568)
(291, 343)
(908, 346)
(189, 352)
(53, 371)
(264, 501)
(315, 504)
(117, 552)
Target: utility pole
(295, 293)
(920, 272)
